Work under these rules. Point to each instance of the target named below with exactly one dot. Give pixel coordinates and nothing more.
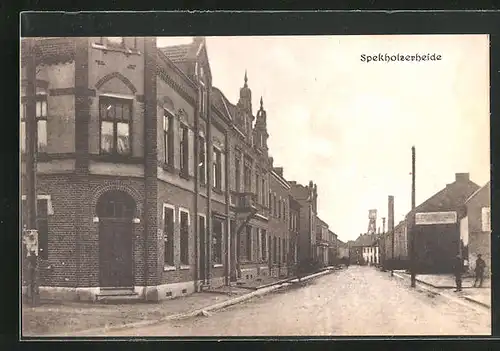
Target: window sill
(115, 158)
(218, 191)
(168, 167)
(217, 265)
(169, 268)
(184, 175)
(184, 267)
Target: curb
(215, 307)
(445, 295)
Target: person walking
(458, 268)
(479, 271)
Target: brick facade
(77, 76)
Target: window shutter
(191, 152)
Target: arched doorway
(115, 210)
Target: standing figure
(458, 269)
(479, 270)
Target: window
(184, 149)
(168, 236)
(262, 190)
(249, 243)
(217, 168)
(248, 178)
(275, 206)
(279, 257)
(115, 116)
(257, 187)
(41, 124)
(486, 219)
(271, 202)
(263, 242)
(237, 173)
(41, 224)
(280, 208)
(184, 224)
(217, 241)
(168, 137)
(204, 99)
(202, 161)
(275, 253)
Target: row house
(306, 197)
(333, 248)
(144, 169)
(279, 224)
(322, 242)
(294, 225)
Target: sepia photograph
(250, 186)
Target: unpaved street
(353, 301)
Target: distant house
(365, 250)
(475, 228)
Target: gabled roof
(451, 197)
(487, 185)
(365, 240)
(220, 101)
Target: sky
(349, 125)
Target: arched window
(116, 204)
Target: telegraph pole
(412, 219)
(31, 162)
(390, 229)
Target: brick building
(279, 231)
(322, 242)
(294, 220)
(143, 168)
(437, 228)
(475, 228)
(333, 248)
(307, 197)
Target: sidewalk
(90, 319)
(481, 296)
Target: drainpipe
(208, 236)
(228, 227)
(196, 189)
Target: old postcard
(255, 186)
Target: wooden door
(116, 253)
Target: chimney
(279, 171)
(390, 220)
(462, 177)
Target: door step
(118, 296)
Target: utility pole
(31, 163)
(390, 229)
(412, 219)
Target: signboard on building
(372, 214)
(429, 218)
